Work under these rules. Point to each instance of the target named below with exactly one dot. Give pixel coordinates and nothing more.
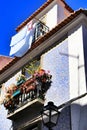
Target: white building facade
(62, 51)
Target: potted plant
(32, 66)
(20, 79)
(43, 78)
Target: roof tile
(4, 61)
(41, 9)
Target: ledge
(27, 107)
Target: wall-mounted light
(50, 115)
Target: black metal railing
(27, 90)
(20, 98)
(40, 30)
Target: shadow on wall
(73, 117)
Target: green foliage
(32, 67)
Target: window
(31, 67)
(40, 30)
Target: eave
(46, 4)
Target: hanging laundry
(19, 36)
(29, 26)
(22, 46)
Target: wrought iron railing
(26, 91)
(20, 97)
(40, 30)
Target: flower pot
(15, 88)
(30, 88)
(29, 81)
(20, 82)
(8, 104)
(16, 93)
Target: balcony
(40, 30)
(27, 94)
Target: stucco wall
(52, 17)
(67, 66)
(85, 48)
(77, 76)
(83, 114)
(56, 61)
(5, 124)
(55, 15)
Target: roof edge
(67, 6)
(41, 9)
(42, 39)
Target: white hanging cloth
(19, 36)
(20, 47)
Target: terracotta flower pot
(15, 88)
(8, 104)
(30, 88)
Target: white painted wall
(6, 124)
(77, 74)
(52, 17)
(54, 61)
(57, 64)
(61, 14)
(55, 15)
(83, 120)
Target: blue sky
(14, 12)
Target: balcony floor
(28, 106)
